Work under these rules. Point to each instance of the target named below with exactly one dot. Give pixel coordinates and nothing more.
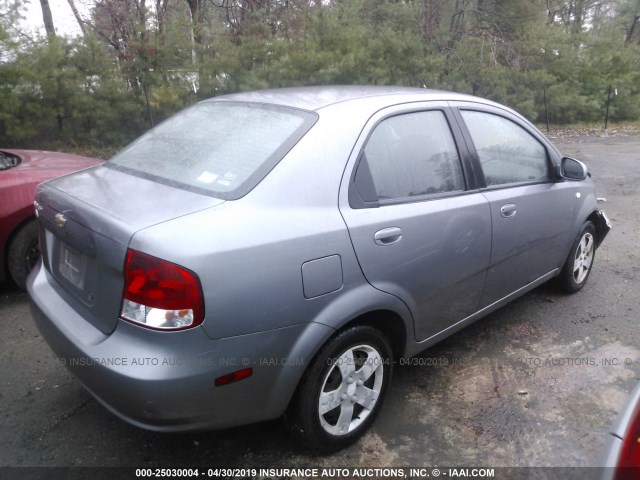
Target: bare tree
(47, 18)
(76, 14)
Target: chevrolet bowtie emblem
(60, 220)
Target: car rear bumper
(165, 381)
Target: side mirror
(572, 169)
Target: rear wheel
(23, 253)
(577, 268)
(342, 392)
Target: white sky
(63, 18)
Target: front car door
(530, 211)
(420, 228)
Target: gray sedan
(274, 252)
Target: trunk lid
(86, 223)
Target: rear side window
(413, 154)
(222, 149)
(507, 152)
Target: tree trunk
(197, 18)
(76, 14)
(636, 19)
(632, 30)
(192, 32)
(431, 19)
(47, 19)
(455, 28)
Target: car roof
(315, 98)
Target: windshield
(218, 148)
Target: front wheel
(342, 392)
(577, 268)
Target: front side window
(413, 154)
(507, 152)
(218, 148)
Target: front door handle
(508, 210)
(388, 236)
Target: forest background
(136, 62)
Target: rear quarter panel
(249, 252)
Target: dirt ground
(537, 383)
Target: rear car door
(530, 211)
(420, 228)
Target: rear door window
(413, 154)
(221, 148)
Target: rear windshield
(222, 149)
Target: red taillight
(628, 466)
(159, 294)
(234, 377)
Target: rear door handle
(508, 210)
(388, 236)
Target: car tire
(578, 265)
(23, 253)
(351, 372)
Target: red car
(20, 172)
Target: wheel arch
(364, 305)
(389, 323)
(600, 223)
(588, 211)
